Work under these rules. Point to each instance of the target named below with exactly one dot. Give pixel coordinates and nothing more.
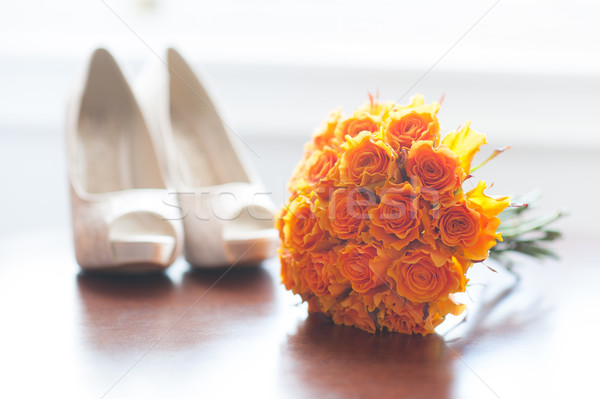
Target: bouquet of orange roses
(378, 232)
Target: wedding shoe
(228, 217)
(119, 203)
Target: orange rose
(439, 253)
(324, 141)
(360, 265)
(400, 315)
(301, 229)
(279, 223)
(313, 169)
(290, 271)
(458, 225)
(347, 213)
(324, 135)
(373, 298)
(324, 303)
(395, 221)
(352, 312)
(437, 171)
(324, 189)
(410, 125)
(297, 182)
(319, 164)
(356, 124)
(315, 271)
(366, 160)
(419, 280)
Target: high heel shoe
(228, 217)
(121, 220)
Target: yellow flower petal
(416, 101)
(465, 143)
(490, 206)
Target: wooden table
(240, 334)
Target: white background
(525, 73)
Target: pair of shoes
(149, 180)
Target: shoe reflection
(123, 313)
(105, 289)
(130, 313)
(250, 284)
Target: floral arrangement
(378, 232)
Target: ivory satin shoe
(122, 220)
(228, 217)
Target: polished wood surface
(238, 333)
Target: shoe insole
(114, 150)
(204, 152)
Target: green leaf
(524, 234)
(515, 228)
